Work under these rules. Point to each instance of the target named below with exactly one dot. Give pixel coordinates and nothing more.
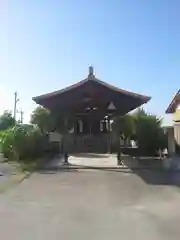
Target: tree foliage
(48, 121)
(150, 136)
(6, 121)
(144, 128)
(43, 118)
(140, 112)
(124, 126)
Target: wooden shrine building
(93, 104)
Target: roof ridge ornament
(91, 73)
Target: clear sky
(48, 44)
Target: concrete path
(93, 160)
(7, 171)
(90, 204)
(85, 160)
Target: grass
(32, 165)
(29, 166)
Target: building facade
(174, 131)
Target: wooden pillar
(109, 137)
(80, 126)
(101, 126)
(90, 126)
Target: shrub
(22, 143)
(2, 133)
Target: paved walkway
(82, 160)
(90, 204)
(94, 160)
(7, 171)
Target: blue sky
(48, 44)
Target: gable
(174, 103)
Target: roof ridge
(120, 89)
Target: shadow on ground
(56, 170)
(78, 169)
(152, 172)
(159, 177)
(150, 176)
(148, 169)
(89, 155)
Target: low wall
(152, 162)
(142, 162)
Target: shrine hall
(91, 104)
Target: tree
(150, 136)
(140, 112)
(6, 121)
(43, 119)
(124, 126)
(51, 121)
(144, 128)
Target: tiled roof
(79, 84)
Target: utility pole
(16, 99)
(22, 113)
(21, 116)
